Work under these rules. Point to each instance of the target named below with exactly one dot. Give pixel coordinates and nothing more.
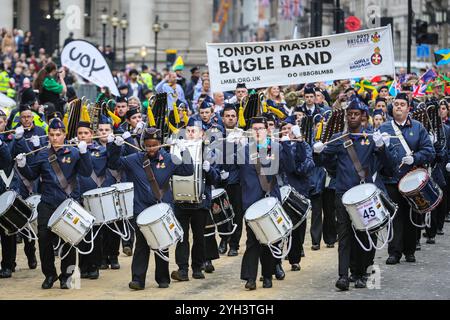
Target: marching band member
(120, 110)
(163, 167)
(416, 137)
(195, 216)
(337, 154)
(240, 92)
(56, 187)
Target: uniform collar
(406, 123)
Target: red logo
(376, 58)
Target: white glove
(232, 137)
(126, 135)
(1, 142)
(21, 160)
(19, 132)
(74, 140)
(206, 165)
(119, 141)
(378, 139)
(35, 141)
(180, 144)
(318, 147)
(386, 138)
(139, 127)
(110, 137)
(296, 131)
(408, 160)
(82, 146)
(285, 138)
(432, 138)
(447, 167)
(224, 175)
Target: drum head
(59, 212)
(260, 208)
(285, 191)
(33, 200)
(153, 213)
(123, 186)
(6, 199)
(412, 181)
(359, 193)
(98, 191)
(217, 193)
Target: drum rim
(246, 211)
(421, 186)
(377, 190)
(9, 206)
(157, 204)
(96, 195)
(379, 227)
(439, 199)
(288, 186)
(125, 189)
(219, 194)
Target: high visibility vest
(4, 82)
(38, 122)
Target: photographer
(51, 86)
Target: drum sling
(98, 180)
(27, 183)
(400, 136)
(66, 186)
(157, 192)
(265, 185)
(348, 144)
(116, 174)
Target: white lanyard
(399, 134)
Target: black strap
(98, 180)
(348, 144)
(157, 192)
(27, 183)
(265, 185)
(117, 174)
(66, 186)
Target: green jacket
(51, 85)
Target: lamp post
(115, 21)
(143, 53)
(156, 29)
(58, 15)
(124, 25)
(104, 18)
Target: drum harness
(409, 153)
(363, 174)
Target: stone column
(6, 14)
(141, 15)
(73, 20)
(24, 15)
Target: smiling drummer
(341, 156)
(162, 167)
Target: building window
(87, 17)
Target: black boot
(279, 272)
(223, 246)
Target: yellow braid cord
(66, 121)
(116, 120)
(277, 112)
(85, 114)
(150, 116)
(264, 107)
(171, 127)
(241, 119)
(185, 117)
(176, 114)
(319, 130)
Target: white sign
(357, 54)
(87, 61)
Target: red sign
(352, 23)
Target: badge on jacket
(66, 160)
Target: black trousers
(141, 258)
(350, 253)
(316, 219)
(329, 216)
(234, 193)
(405, 233)
(111, 244)
(437, 218)
(197, 220)
(8, 250)
(442, 209)
(92, 261)
(45, 240)
(255, 252)
(130, 242)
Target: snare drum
(159, 226)
(221, 209)
(420, 190)
(33, 201)
(71, 222)
(268, 220)
(189, 189)
(296, 205)
(102, 204)
(125, 195)
(365, 206)
(15, 213)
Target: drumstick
(28, 139)
(116, 134)
(31, 152)
(13, 130)
(336, 139)
(132, 145)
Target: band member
(163, 166)
(262, 159)
(56, 187)
(337, 156)
(422, 153)
(194, 215)
(120, 110)
(240, 92)
(207, 116)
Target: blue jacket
(298, 176)
(6, 162)
(419, 142)
(442, 158)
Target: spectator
(172, 88)
(146, 77)
(50, 90)
(134, 87)
(69, 39)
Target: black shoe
(84, 275)
(104, 265)
(418, 246)
(279, 272)
(352, 278)
(250, 285)
(330, 245)
(431, 241)
(209, 268)
(5, 273)
(267, 282)
(360, 283)
(48, 282)
(128, 251)
(392, 260)
(14, 267)
(232, 253)
(302, 253)
(425, 235)
(295, 267)
(223, 246)
(163, 285)
(410, 258)
(93, 275)
(134, 285)
(342, 283)
(198, 274)
(180, 275)
(440, 232)
(19, 238)
(315, 247)
(114, 261)
(32, 262)
(447, 218)
(63, 283)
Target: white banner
(358, 54)
(87, 61)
